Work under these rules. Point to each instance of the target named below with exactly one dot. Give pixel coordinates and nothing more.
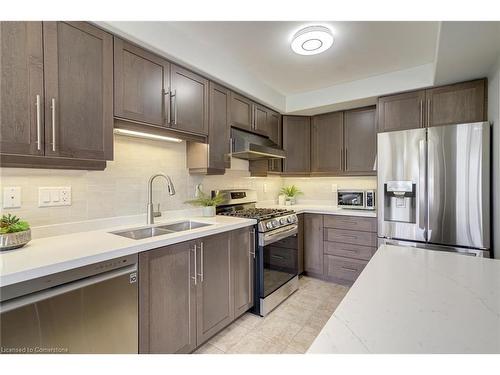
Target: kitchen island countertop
(410, 300)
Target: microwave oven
(356, 199)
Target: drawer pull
(277, 257)
(351, 250)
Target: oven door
(279, 250)
(351, 199)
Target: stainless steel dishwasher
(92, 309)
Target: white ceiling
(360, 50)
(367, 59)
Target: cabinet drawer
(364, 224)
(343, 268)
(349, 250)
(351, 236)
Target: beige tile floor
(290, 328)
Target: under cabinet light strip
(133, 133)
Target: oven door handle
(271, 237)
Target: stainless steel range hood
(250, 146)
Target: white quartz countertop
(50, 255)
(321, 209)
(410, 300)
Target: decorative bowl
(10, 241)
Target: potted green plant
(14, 232)
(207, 202)
(290, 193)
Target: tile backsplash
(121, 189)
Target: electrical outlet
(54, 196)
(12, 197)
(264, 188)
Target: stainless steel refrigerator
(434, 188)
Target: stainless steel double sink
(159, 230)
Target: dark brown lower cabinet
(313, 244)
(167, 299)
(190, 291)
(214, 302)
(242, 262)
(337, 248)
(300, 242)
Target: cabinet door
(214, 302)
(167, 300)
(21, 88)
(242, 264)
(360, 141)
(78, 71)
(274, 129)
(189, 101)
(313, 244)
(401, 111)
(260, 119)
(327, 140)
(218, 134)
(456, 104)
(141, 79)
(241, 112)
(296, 143)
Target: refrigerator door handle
(422, 196)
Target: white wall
(494, 117)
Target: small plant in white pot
(290, 192)
(14, 232)
(207, 202)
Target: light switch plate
(54, 196)
(12, 197)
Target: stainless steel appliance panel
(459, 185)
(402, 157)
(97, 314)
(428, 246)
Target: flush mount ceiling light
(312, 40)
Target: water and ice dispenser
(400, 201)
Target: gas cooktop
(258, 213)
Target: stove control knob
(289, 219)
(282, 221)
(269, 225)
(275, 223)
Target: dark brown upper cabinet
(460, 103)
(296, 143)
(142, 80)
(188, 101)
(241, 112)
(360, 141)
(260, 119)
(57, 95)
(401, 111)
(21, 90)
(78, 70)
(327, 135)
(274, 132)
(452, 104)
(213, 157)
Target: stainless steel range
(276, 260)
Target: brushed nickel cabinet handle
(345, 159)
(252, 240)
(421, 113)
(195, 277)
(428, 112)
(201, 262)
(349, 269)
(166, 105)
(173, 96)
(53, 108)
(38, 123)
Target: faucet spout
(170, 188)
